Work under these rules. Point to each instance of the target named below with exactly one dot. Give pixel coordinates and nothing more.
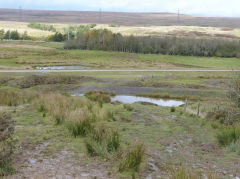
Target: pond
(61, 68)
(133, 99)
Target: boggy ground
(46, 150)
(172, 139)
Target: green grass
(132, 158)
(151, 125)
(23, 58)
(79, 122)
(102, 141)
(172, 139)
(228, 135)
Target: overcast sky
(225, 8)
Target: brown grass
(118, 18)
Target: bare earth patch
(34, 164)
(24, 46)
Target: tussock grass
(55, 104)
(128, 107)
(13, 97)
(79, 122)
(73, 110)
(227, 135)
(99, 96)
(131, 159)
(106, 114)
(102, 141)
(85, 118)
(184, 173)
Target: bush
(57, 37)
(79, 122)
(99, 96)
(112, 25)
(102, 141)
(6, 143)
(173, 109)
(228, 135)
(92, 25)
(220, 116)
(131, 159)
(45, 27)
(128, 107)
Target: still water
(133, 99)
(61, 68)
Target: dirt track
(114, 70)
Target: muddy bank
(127, 90)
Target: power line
(100, 16)
(178, 18)
(20, 14)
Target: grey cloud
(200, 7)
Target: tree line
(71, 32)
(13, 35)
(106, 40)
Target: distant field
(28, 55)
(21, 27)
(118, 18)
(186, 31)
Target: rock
(85, 174)
(32, 161)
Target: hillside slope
(119, 18)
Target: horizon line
(111, 11)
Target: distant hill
(118, 18)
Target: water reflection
(134, 99)
(61, 68)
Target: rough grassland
(189, 31)
(172, 139)
(17, 57)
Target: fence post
(185, 106)
(198, 109)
